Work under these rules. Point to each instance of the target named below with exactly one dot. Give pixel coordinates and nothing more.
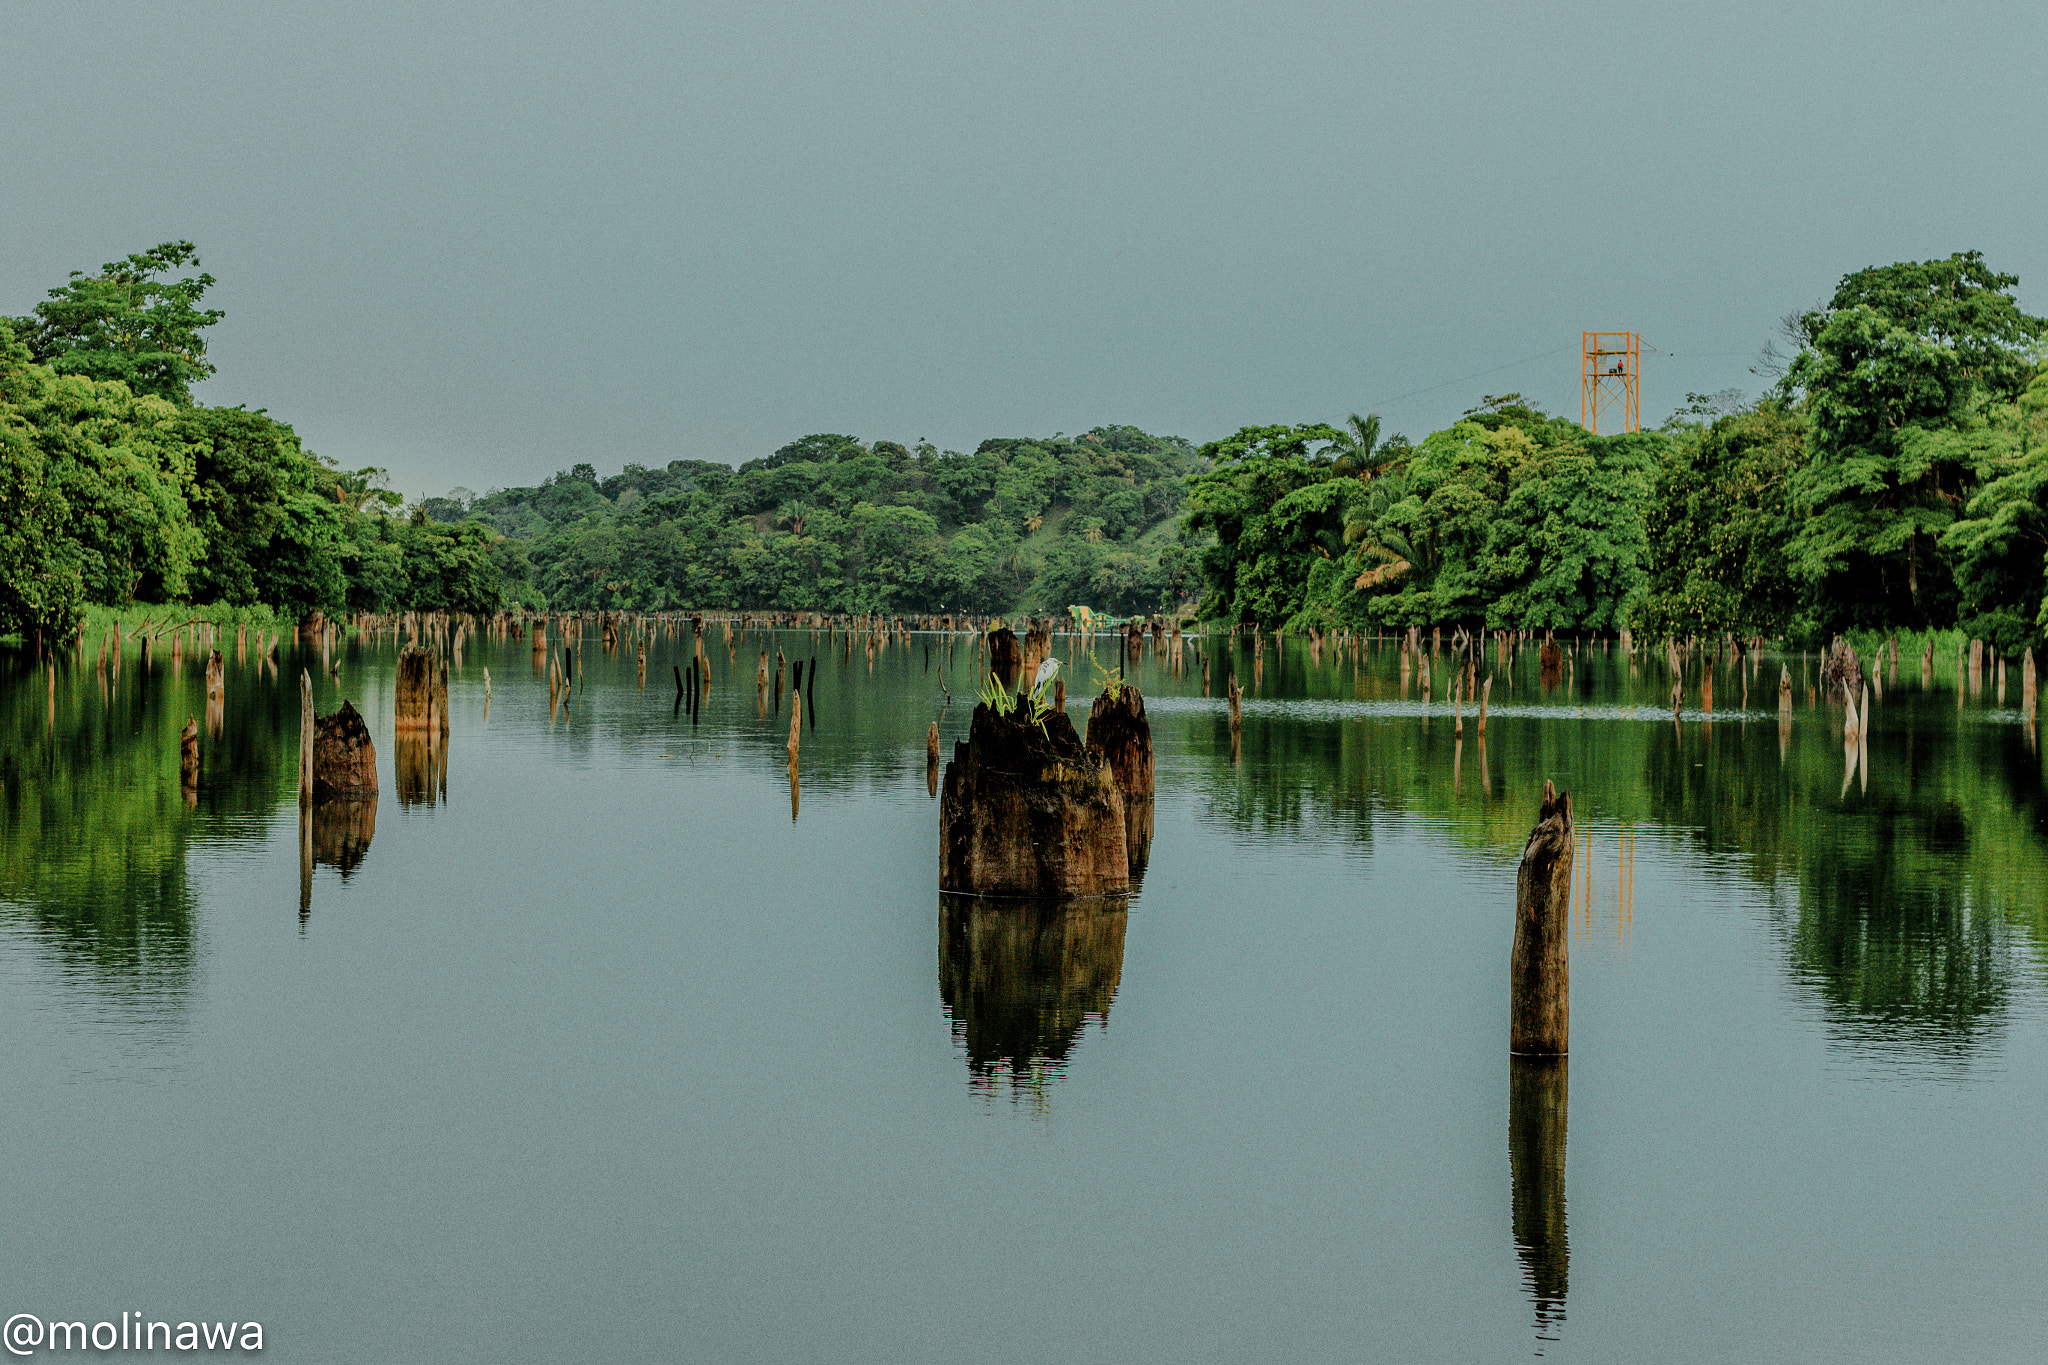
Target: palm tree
(1366, 530)
(1357, 452)
(793, 514)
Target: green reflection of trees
(94, 826)
(1913, 901)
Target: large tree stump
(1030, 812)
(1118, 730)
(412, 706)
(344, 759)
(1540, 980)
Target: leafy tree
(1719, 523)
(129, 323)
(1901, 352)
(2000, 543)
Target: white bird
(1045, 674)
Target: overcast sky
(479, 243)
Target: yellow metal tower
(1610, 381)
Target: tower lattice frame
(1610, 381)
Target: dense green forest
(1892, 478)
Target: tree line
(1891, 478)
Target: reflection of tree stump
(344, 759)
(419, 762)
(1117, 728)
(342, 831)
(1538, 1102)
(1020, 979)
(1030, 813)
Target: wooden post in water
(2027, 683)
(1485, 689)
(305, 735)
(1540, 984)
(796, 724)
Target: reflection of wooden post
(1539, 1094)
(1540, 969)
(188, 756)
(305, 859)
(305, 735)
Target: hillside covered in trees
(828, 523)
(1894, 477)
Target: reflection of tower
(1020, 978)
(1538, 1095)
(1610, 382)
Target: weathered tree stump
(1030, 812)
(1785, 689)
(344, 758)
(1540, 967)
(1005, 656)
(412, 706)
(1550, 661)
(1118, 730)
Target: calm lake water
(601, 1043)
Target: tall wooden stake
(1540, 983)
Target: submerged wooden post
(1540, 985)
(305, 735)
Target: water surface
(597, 1040)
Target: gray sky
(479, 243)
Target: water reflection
(342, 829)
(1539, 1094)
(420, 762)
(1020, 979)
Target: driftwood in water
(1540, 983)
(344, 759)
(1028, 810)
